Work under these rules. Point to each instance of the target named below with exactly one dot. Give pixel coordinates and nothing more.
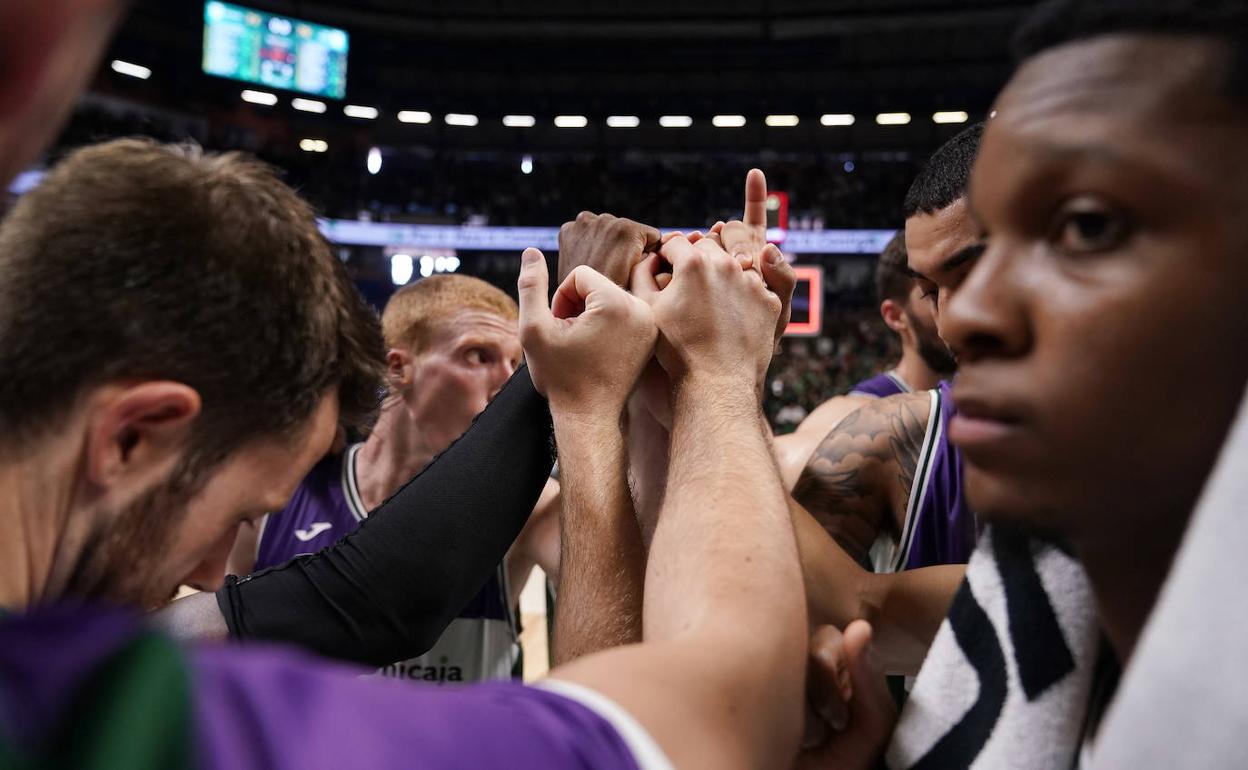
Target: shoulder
(304, 712)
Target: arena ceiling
(645, 57)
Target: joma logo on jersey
(415, 671)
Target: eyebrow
(962, 257)
(968, 254)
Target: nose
(986, 316)
(209, 574)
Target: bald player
(452, 343)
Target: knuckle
(585, 217)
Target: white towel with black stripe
(1183, 702)
(1010, 673)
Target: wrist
(723, 391)
(582, 415)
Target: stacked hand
(746, 242)
(589, 348)
(854, 711)
(585, 350)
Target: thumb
(779, 276)
(873, 704)
(644, 284)
(532, 287)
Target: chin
(1021, 503)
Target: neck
(395, 451)
(41, 544)
(915, 372)
(1127, 581)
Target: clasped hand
(715, 318)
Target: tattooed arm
(855, 487)
(857, 483)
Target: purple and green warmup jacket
(93, 687)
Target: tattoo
(857, 482)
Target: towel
(1183, 700)
(1010, 675)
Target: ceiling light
(837, 119)
(892, 118)
(360, 111)
(260, 97)
(307, 105)
(623, 121)
(133, 70)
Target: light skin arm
(601, 559)
(537, 544)
(714, 598)
(601, 574)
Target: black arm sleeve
(387, 591)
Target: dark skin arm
(857, 483)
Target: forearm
(602, 561)
(648, 453)
(905, 608)
(387, 591)
(723, 534)
(723, 571)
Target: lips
(982, 426)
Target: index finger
(756, 199)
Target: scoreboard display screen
(274, 51)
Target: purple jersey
(881, 386)
(939, 528)
(481, 644)
(89, 685)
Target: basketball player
(451, 345)
(886, 482)
(1110, 186)
(136, 481)
(925, 360)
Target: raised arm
(723, 584)
(601, 562)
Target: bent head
(453, 343)
(179, 343)
(1100, 335)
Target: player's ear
(137, 433)
(400, 368)
(893, 315)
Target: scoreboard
(274, 51)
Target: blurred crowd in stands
(667, 189)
